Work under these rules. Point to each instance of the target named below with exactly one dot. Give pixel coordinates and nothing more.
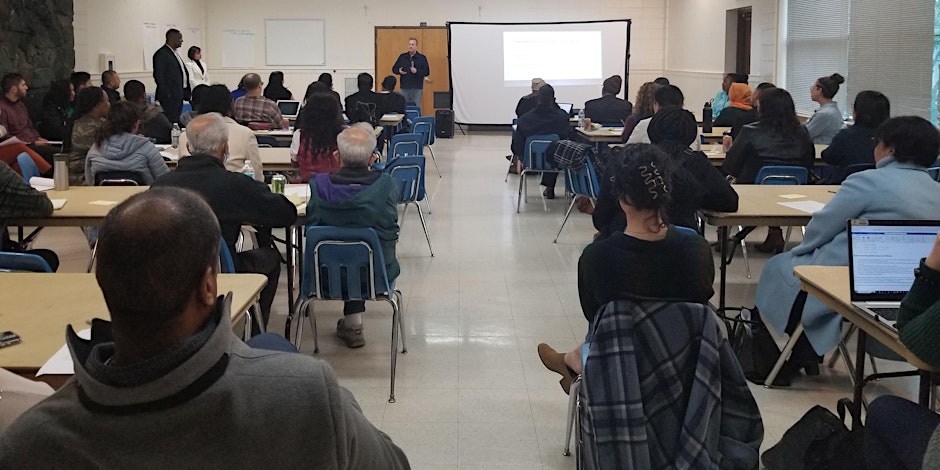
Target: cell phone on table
(8, 338)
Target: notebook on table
(882, 257)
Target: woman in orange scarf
(739, 112)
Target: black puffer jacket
(758, 146)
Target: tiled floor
(471, 392)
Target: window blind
(817, 46)
(891, 51)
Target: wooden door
(390, 41)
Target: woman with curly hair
(313, 147)
(642, 109)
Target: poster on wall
(238, 49)
(153, 38)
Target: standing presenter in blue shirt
(412, 66)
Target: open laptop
(566, 107)
(882, 257)
(289, 108)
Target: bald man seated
(254, 108)
(175, 387)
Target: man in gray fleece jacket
(168, 385)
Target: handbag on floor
(818, 441)
(757, 351)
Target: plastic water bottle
(248, 170)
(581, 119)
(175, 136)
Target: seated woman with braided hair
(650, 259)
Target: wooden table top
(759, 205)
(612, 134)
(87, 206)
(38, 307)
(830, 284)
(716, 155)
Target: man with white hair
(235, 199)
(354, 196)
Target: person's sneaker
(351, 336)
(549, 193)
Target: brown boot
(555, 362)
(584, 205)
(774, 242)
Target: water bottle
(581, 119)
(248, 170)
(707, 117)
(60, 172)
(175, 135)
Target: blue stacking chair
(424, 125)
(406, 144)
(227, 266)
(582, 182)
(782, 174)
(27, 166)
(23, 262)
(409, 174)
(411, 113)
(534, 161)
(346, 264)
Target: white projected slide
(570, 56)
(492, 64)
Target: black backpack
(818, 441)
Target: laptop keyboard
(888, 313)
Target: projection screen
(492, 64)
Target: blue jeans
(412, 95)
(271, 342)
(897, 432)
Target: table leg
(723, 267)
(862, 338)
(289, 248)
(925, 386)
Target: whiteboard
(295, 42)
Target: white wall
(116, 27)
(682, 39)
(350, 29)
(695, 44)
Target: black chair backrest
(119, 178)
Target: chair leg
(395, 333)
(246, 331)
(747, 264)
(434, 159)
(427, 202)
(563, 222)
(401, 322)
(424, 225)
(572, 414)
(259, 320)
(312, 318)
(301, 311)
(521, 184)
(769, 382)
(91, 260)
(845, 337)
(401, 221)
(786, 239)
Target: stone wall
(38, 41)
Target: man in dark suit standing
(171, 76)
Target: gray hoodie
(125, 152)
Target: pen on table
(833, 192)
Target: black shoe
(549, 193)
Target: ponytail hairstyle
(122, 118)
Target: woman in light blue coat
(118, 148)
(898, 188)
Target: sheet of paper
(171, 155)
(299, 190)
(810, 207)
(297, 200)
(103, 203)
(58, 203)
(61, 362)
(389, 117)
(792, 196)
(41, 184)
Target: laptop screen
(288, 108)
(566, 107)
(884, 253)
